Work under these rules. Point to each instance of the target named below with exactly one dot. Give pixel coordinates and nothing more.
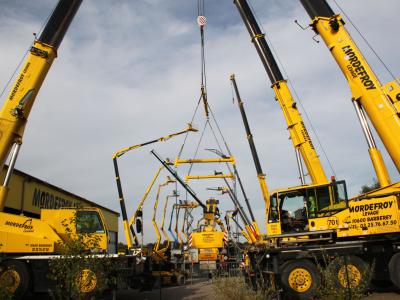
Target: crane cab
(299, 209)
(69, 223)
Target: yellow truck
(27, 243)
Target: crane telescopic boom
(298, 132)
(15, 112)
(260, 173)
(381, 103)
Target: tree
(367, 188)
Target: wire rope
(296, 96)
(26, 53)
(367, 43)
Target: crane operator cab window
(293, 215)
(294, 208)
(326, 200)
(89, 222)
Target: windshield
(89, 222)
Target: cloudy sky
(129, 71)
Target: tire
(86, 281)
(16, 274)
(394, 270)
(181, 280)
(356, 271)
(300, 279)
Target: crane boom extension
(381, 103)
(15, 112)
(296, 127)
(165, 233)
(118, 154)
(156, 247)
(179, 179)
(260, 174)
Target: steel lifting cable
(367, 43)
(296, 96)
(26, 53)
(201, 22)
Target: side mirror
(139, 225)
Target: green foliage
(235, 288)
(367, 188)
(330, 289)
(77, 272)
(122, 247)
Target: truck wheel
(356, 271)
(180, 279)
(86, 281)
(16, 278)
(300, 279)
(394, 270)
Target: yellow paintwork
(126, 149)
(379, 167)
(379, 102)
(161, 139)
(140, 206)
(62, 219)
(379, 214)
(15, 111)
(207, 239)
(352, 275)
(298, 132)
(179, 161)
(156, 248)
(266, 197)
(300, 280)
(208, 254)
(165, 233)
(190, 177)
(21, 234)
(86, 281)
(29, 195)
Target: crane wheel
(86, 281)
(353, 276)
(180, 279)
(16, 278)
(300, 279)
(394, 270)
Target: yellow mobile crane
(357, 230)
(380, 102)
(165, 233)
(251, 232)
(302, 143)
(128, 226)
(156, 249)
(208, 237)
(26, 242)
